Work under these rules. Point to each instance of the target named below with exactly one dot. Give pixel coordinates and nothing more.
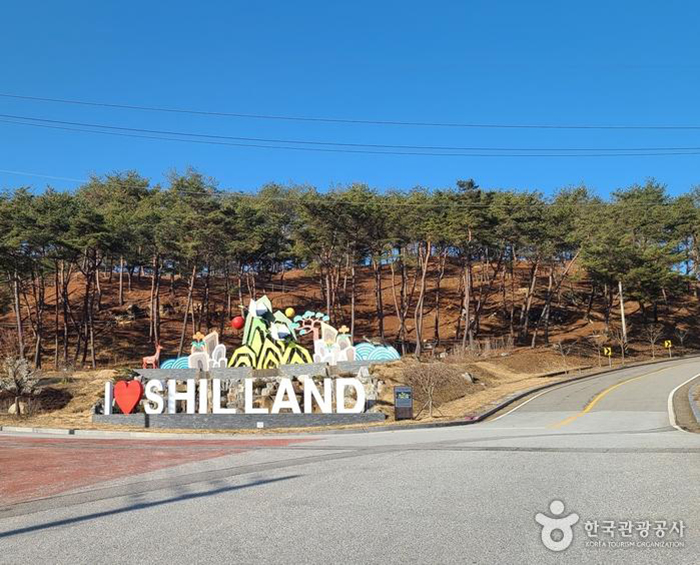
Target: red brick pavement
(33, 468)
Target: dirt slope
(122, 341)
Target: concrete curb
(57, 431)
(693, 403)
(379, 428)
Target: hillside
(576, 322)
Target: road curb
(520, 395)
(507, 401)
(515, 397)
(56, 431)
(693, 403)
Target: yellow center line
(598, 397)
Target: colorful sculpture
(270, 340)
(152, 360)
(330, 345)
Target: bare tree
(18, 379)
(653, 333)
(619, 335)
(429, 379)
(564, 349)
(597, 341)
(681, 334)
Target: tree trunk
(328, 293)
(121, 281)
(466, 306)
(438, 282)
(205, 302)
(545, 312)
(91, 329)
(589, 307)
(18, 315)
(240, 285)
(399, 306)
(98, 287)
(511, 326)
(39, 303)
(544, 316)
(485, 289)
(377, 266)
(403, 301)
(226, 311)
(187, 311)
(65, 278)
(424, 260)
(156, 305)
(55, 354)
(525, 312)
(352, 297)
(460, 317)
(151, 302)
(84, 336)
(196, 320)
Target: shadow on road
(141, 506)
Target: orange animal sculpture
(152, 360)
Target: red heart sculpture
(127, 394)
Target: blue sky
(461, 61)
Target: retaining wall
(235, 421)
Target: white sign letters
(162, 397)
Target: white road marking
(511, 429)
(671, 413)
(521, 405)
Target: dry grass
(124, 342)
(65, 401)
(68, 398)
(495, 378)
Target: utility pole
(622, 312)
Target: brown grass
(67, 399)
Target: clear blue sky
(626, 62)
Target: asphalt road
(603, 446)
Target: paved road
(603, 446)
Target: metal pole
(622, 312)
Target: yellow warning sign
(668, 344)
(607, 351)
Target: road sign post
(668, 344)
(403, 403)
(608, 353)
